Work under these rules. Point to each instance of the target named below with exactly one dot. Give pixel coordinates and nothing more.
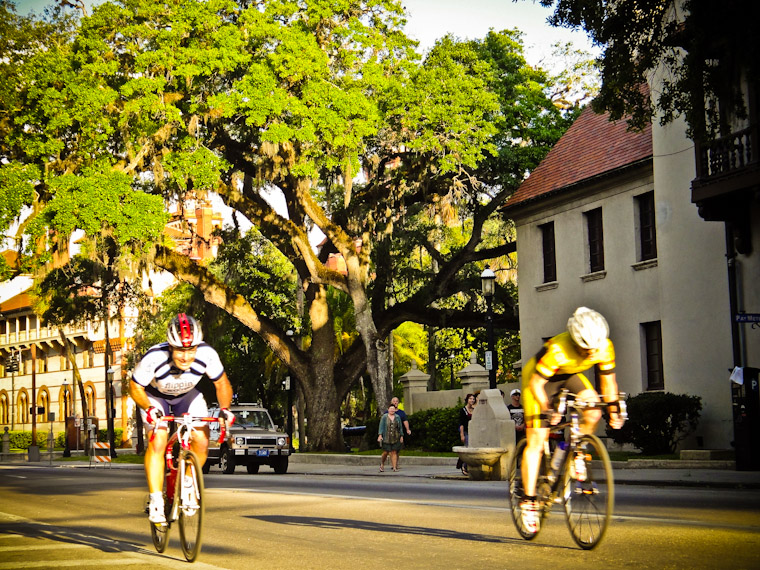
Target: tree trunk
(323, 409)
(75, 368)
(432, 364)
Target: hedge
(23, 439)
(432, 430)
(658, 421)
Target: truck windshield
(252, 419)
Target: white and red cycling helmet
(588, 328)
(184, 332)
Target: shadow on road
(340, 524)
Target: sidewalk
(717, 474)
(696, 473)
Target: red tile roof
(592, 146)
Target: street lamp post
(66, 413)
(110, 410)
(487, 279)
(289, 388)
(451, 362)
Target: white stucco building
(607, 221)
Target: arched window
(22, 411)
(43, 401)
(65, 402)
(90, 397)
(5, 408)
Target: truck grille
(260, 441)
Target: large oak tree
(323, 103)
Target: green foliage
(292, 100)
(103, 435)
(699, 48)
(23, 439)
(657, 421)
(435, 429)
(100, 199)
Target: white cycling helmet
(588, 328)
(184, 332)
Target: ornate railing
(727, 155)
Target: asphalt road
(64, 517)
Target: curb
(351, 459)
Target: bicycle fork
(172, 484)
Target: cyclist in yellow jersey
(560, 364)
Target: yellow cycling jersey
(559, 359)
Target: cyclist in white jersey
(164, 382)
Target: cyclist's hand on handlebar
(153, 414)
(616, 420)
(228, 416)
(553, 416)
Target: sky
(466, 19)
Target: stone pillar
(473, 376)
(491, 428)
(414, 382)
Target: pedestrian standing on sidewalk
(406, 431)
(517, 413)
(390, 436)
(465, 415)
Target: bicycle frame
(182, 507)
(183, 435)
(572, 409)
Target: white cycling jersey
(157, 370)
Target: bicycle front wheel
(589, 497)
(191, 505)
(514, 478)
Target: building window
(550, 260)
(43, 401)
(89, 396)
(65, 402)
(653, 355)
(646, 226)
(5, 416)
(595, 235)
(23, 407)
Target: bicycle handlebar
(583, 404)
(187, 419)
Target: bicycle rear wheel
(589, 501)
(514, 478)
(190, 512)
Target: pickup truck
(252, 441)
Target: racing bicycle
(582, 483)
(183, 488)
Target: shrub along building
(44, 380)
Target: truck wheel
(253, 468)
(227, 461)
(206, 466)
(280, 465)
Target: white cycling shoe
(530, 516)
(156, 510)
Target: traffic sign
(748, 317)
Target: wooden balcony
(728, 169)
